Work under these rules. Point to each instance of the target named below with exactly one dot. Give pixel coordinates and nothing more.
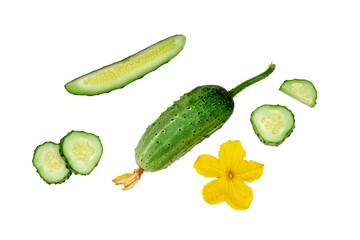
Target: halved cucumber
(49, 163)
(301, 90)
(272, 123)
(82, 151)
(119, 74)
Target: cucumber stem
(251, 81)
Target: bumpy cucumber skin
(266, 142)
(300, 80)
(63, 155)
(66, 177)
(77, 92)
(190, 120)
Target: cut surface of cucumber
(300, 89)
(49, 163)
(272, 123)
(82, 151)
(119, 74)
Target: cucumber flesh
(119, 74)
(301, 90)
(82, 151)
(272, 123)
(49, 164)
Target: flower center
(230, 175)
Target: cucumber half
(82, 151)
(119, 74)
(301, 90)
(49, 163)
(272, 123)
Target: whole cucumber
(191, 119)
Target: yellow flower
(231, 170)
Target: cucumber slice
(119, 74)
(301, 90)
(82, 151)
(272, 123)
(49, 164)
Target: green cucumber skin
(190, 120)
(67, 162)
(68, 88)
(66, 177)
(263, 140)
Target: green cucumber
(301, 90)
(120, 74)
(49, 164)
(82, 151)
(272, 123)
(190, 120)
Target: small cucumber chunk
(49, 164)
(272, 123)
(82, 151)
(300, 89)
(120, 74)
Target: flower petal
(214, 191)
(209, 166)
(248, 171)
(231, 153)
(238, 195)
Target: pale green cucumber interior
(121, 73)
(301, 90)
(272, 123)
(49, 163)
(82, 151)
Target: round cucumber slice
(49, 164)
(272, 123)
(82, 151)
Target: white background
(310, 185)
